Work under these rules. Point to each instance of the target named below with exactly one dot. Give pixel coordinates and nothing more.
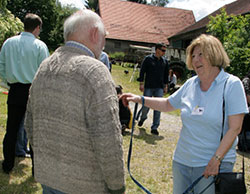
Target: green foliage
(52, 14)
(118, 56)
(159, 3)
(139, 1)
(56, 35)
(3, 4)
(9, 24)
(234, 33)
(92, 4)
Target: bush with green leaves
(234, 33)
(9, 25)
(117, 56)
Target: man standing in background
(153, 82)
(20, 58)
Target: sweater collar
(80, 46)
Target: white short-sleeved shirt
(201, 114)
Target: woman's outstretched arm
(156, 103)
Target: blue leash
(130, 152)
(190, 189)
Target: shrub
(9, 25)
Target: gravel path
(168, 122)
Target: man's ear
(94, 35)
(36, 31)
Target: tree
(56, 35)
(9, 24)
(234, 33)
(139, 1)
(92, 4)
(159, 3)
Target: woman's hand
(212, 169)
(127, 97)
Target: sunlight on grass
(123, 79)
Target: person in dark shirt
(153, 82)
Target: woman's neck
(207, 80)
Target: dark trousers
(17, 101)
(15, 116)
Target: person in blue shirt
(20, 58)
(105, 59)
(200, 149)
(153, 82)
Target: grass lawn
(151, 162)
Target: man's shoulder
(164, 59)
(11, 40)
(148, 58)
(40, 43)
(151, 56)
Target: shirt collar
(27, 34)
(157, 57)
(220, 77)
(80, 46)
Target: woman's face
(200, 65)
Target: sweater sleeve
(28, 122)
(105, 130)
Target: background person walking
(153, 82)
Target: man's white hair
(82, 21)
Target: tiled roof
(142, 23)
(235, 8)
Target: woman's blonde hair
(212, 50)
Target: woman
(199, 149)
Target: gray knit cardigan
(73, 125)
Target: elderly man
(72, 115)
(20, 58)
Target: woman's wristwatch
(217, 157)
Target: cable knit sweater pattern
(72, 122)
